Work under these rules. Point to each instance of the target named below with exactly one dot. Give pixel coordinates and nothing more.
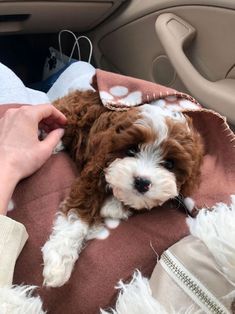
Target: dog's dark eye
(169, 164)
(132, 151)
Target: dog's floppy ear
(81, 109)
(196, 148)
(184, 146)
(112, 133)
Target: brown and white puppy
(128, 160)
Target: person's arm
(21, 154)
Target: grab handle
(175, 34)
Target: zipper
(191, 285)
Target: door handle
(175, 34)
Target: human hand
(20, 148)
(21, 152)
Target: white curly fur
(62, 249)
(19, 300)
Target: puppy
(128, 161)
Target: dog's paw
(113, 208)
(62, 249)
(112, 223)
(97, 232)
(55, 276)
(58, 266)
(59, 147)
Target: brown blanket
(103, 262)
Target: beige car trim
(174, 34)
(52, 16)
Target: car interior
(186, 45)
(183, 44)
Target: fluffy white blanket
(216, 229)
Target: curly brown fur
(136, 159)
(187, 151)
(95, 137)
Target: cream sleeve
(13, 236)
(14, 299)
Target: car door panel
(129, 44)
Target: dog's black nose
(142, 185)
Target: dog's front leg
(113, 208)
(113, 211)
(62, 249)
(78, 213)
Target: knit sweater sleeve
(14, 299)
(13, 236)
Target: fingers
(46, 114)
(49, 124)
(52, 139)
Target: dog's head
(151, 156)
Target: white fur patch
(97, 232)
(160, 102)
(19, 300)
(103, 234)
(62, 249)
(59, 147)
(113, 208)
(112, 223)
(153, 117)
(174, 108)
(216, 229)
(189, 203)
(187, 104)
(156, 114)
